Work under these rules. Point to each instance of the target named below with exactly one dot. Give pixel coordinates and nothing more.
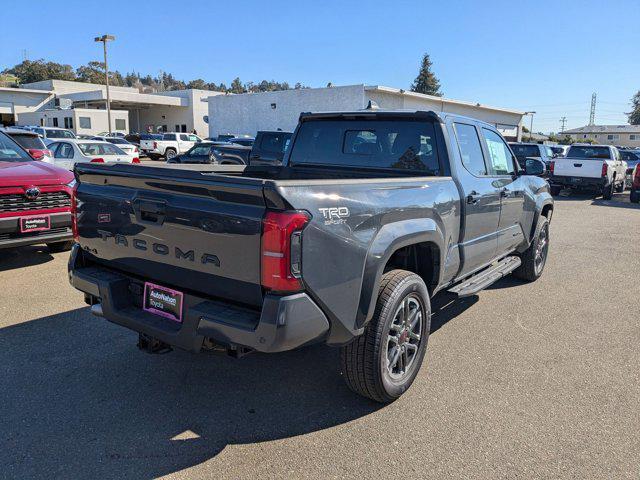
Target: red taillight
(605, 169)
(48, 153)
(97, 160)
(636, 177)
(36, 153)
(552, 165)
(135, 150)
(135, 160)
(155, 145)
(74, 213)
(282, 250)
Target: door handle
(472, 198)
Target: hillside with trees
(30, 71)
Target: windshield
(150, 137)
(629, 156)
(523, 151)
(28, 141)
(586, 151)
(59, 133)
(93, 149)
(117, 141)
(10, 151)
(402, 145)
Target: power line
(563, 120)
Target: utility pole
(531, 127)
(592, 114)
(563, 120)
(104, 39)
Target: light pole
(531, 127)
(104, 39)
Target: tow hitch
(152, 345)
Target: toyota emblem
(32, 193)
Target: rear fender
(390, 238)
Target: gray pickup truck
(371, 214)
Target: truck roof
(394, 113)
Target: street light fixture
(104, 39)
(531, 127)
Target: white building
(131, 111)
(623, 135)
(248, 113)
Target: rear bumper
(578, 182)
(10, 235)
(284, 323)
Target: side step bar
(486, 277)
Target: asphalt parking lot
(523, 381)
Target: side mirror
(533, 166)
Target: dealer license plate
(163, 301)
(35, 223)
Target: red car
(35, 200)
(635, 185)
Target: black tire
(555, 190)
(620, 188)
(530, 269)
(59, 246)
(607, 193)
(365, 361)
(634, 196)
(169, 153)
(154, 156)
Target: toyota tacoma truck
(597, 168)
(371, 214)
(35, 200)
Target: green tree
(93, 72)
(237, 86)
(198, 84)
(30, 71)
(634, 115)
(426, 82)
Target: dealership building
(81, 107)
(245, 114)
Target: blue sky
(543, 55)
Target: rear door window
(406, 145)
(470, 149)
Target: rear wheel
(634, 196)
(382, 363)
(59, 246)
(607, 193)
(535, 257)
(169, 153)
(620, 187)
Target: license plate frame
(157, 299)
(35, 223)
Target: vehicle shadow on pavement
(447, 306)
(13, 258)
(80, 400)
(619, 200)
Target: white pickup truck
(172, 144)
(589, 167)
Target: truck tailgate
(180, 229)
(578, 167)
(147, 144)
